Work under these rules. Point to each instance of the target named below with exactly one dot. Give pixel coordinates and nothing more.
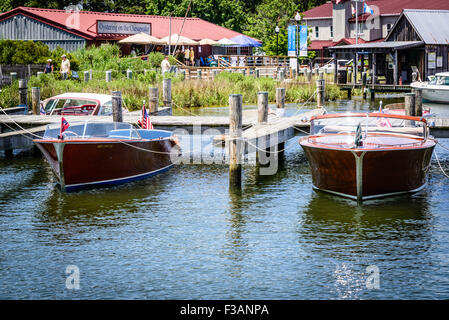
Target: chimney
(341, 13)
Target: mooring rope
(15, 122)
(439, 164)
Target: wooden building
(418, 42)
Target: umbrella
(226, 42)
(244, 41)
(207, 41)
(141, 38)
(176, 39)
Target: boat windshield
(371, 124)
(93, 130)
(440, 80)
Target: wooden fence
(22, 71)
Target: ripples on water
(183, 235)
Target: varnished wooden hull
(365, 174)
(80, 164)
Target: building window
(388, 27)
(332, 31)
(317, 32)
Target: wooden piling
(410, 104)
(23, 92)
(280, 98)
(86, 76)
(418, 102)
(166, 92)
(13, 76)
(153, 100)
(320, 92)
(262, 107)
(235, 135)
(129, 74)
(35, 99)
(199, 74)
(108, 76)
(309, 76)
(117, 115)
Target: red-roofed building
(334, 21)
(74, 29)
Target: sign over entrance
(122, 27)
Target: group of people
(64, 69)
(188, 56)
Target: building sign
(122, 27)
(303, 41)
(432, 60)
(292, 41)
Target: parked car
(78, 104)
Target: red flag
(64, 126)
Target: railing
(253, 61)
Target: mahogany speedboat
(365, 156)
(92, 154)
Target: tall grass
(189, 93)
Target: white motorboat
(435, 90)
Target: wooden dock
(377, 87)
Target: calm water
(183, 235)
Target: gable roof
(194, 28)
(431, 25)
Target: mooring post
(280, 98)
(86, 76)
(418, 102)
(117, 115)
(129, 74)
(309, 76)
(199, 74)
(23, 93)
(410, 104)
(13, 76)
(108, 76)
(90, 74)
(320, 90)
(257, 73)
(35, 99)
(235, 141)
(166, 92)
(153, 100)
(183, 74)
(262, 107)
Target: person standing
(187, 56)
(65, 67)
(165, 65)
(49, 67)
(192, 56)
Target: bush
(23, 52)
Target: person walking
(65, 67)
(165, 65)
(49, 67)
(192, 56)
(186, 56)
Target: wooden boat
(366, 156)
(92, 154)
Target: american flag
(64, 126)
(145, 122)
